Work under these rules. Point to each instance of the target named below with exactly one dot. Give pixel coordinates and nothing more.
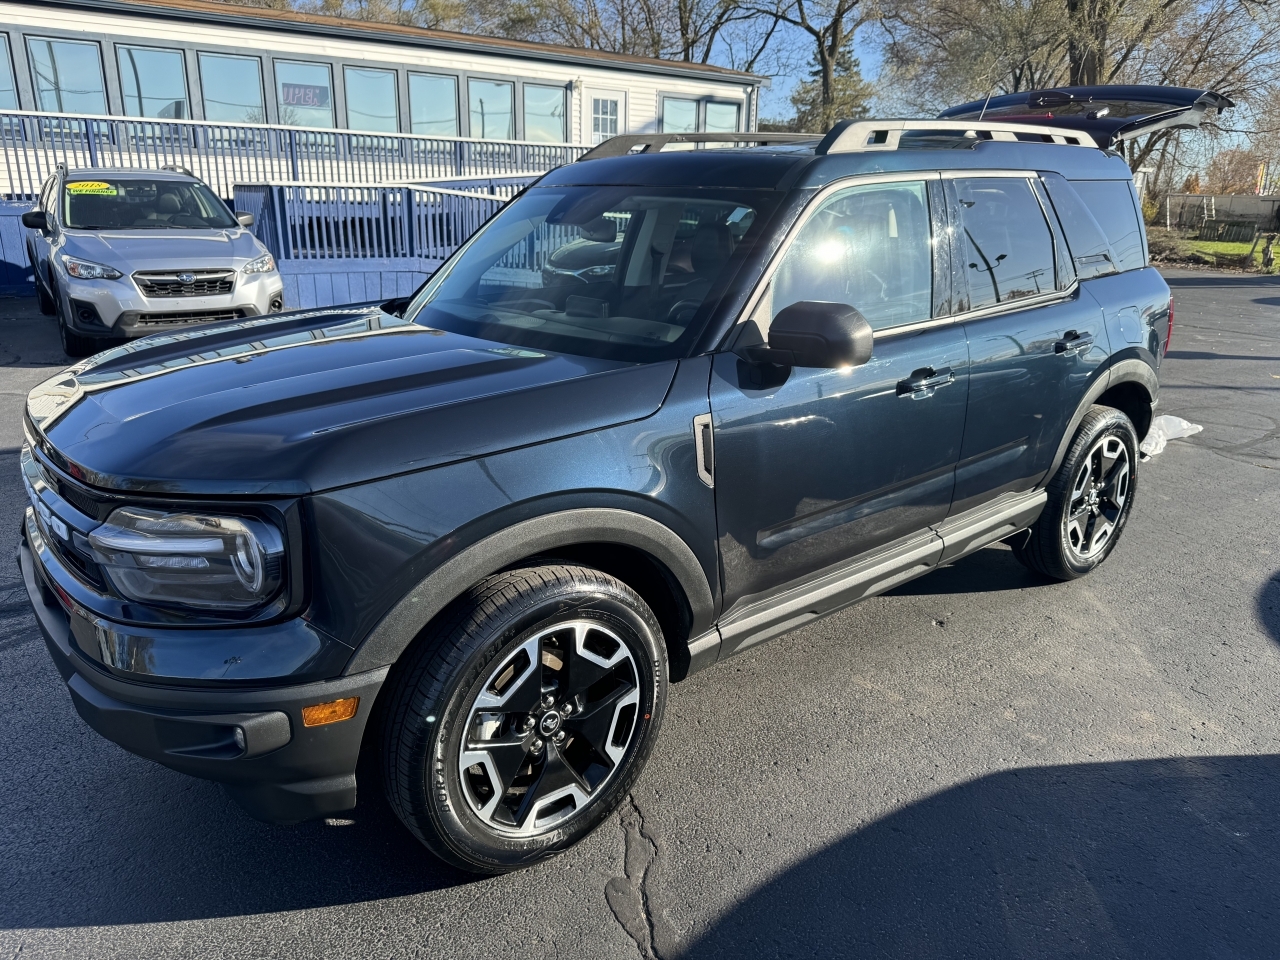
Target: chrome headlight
(264, 264)
(190, 559)
(88, 270)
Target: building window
(232, 88)
(67, 76)
(154, 83)
(433, 105)
(722, 118)
(371, 99)
(679, 116)
(304, 92)
(492, 113)
(604, 119)
(544, 114)
(8, 89)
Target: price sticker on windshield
(96, 187)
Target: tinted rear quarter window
(1111, 203)
(1008, 250)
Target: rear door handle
(923, 383)
(1073, 343)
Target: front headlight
(190, 559)
(264, 264)
(88, 270)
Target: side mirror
(36, 220)
(817, 333)
(245, 219)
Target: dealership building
(195, 60)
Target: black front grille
(188, 316)
(185, 283)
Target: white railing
(224, 154)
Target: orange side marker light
(319, 714)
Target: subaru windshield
(611, 272)
(135, 203)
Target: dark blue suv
(472, 536)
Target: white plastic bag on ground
(1166, 428)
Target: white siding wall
(643, 90)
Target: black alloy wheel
(524, 720)
(1090, 498)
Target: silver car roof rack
(856, 136)
(623, 144)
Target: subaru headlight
(190, 559)
(264, 264)
(88, 270)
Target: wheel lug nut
(536, 746)
(559, 737)
(548, 700)
(566, 710)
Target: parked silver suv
(124, 253)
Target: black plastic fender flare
(1123, 371)
(402, 624)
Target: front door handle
(1073, 343)
(922, 383)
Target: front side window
(722, 117)
(154, 83)
(1007, 247)
(8, 89)
(544, 114)
(433, 105)
(867, 246)
(67, 75)
(1111, 202)
(305, 94)
(232, 88)
(129, 203)
(613, 272)
(604, 119)
(371, 99)
(492, 109)
(679, 116)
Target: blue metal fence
(222, 154)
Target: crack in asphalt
(631, 896)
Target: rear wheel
(1090, 498)
(521, 722)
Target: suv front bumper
(283, 773)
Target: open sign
(304, 95)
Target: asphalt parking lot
(980, 764)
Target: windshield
(611, 272)
(142, 204)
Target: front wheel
(1090, 498)
(520, 723)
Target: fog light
(321, 713)
(238, 733)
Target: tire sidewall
(1113, 423)
(437, 775)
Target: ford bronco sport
(474, 534)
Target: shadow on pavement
(1218, 280)
(986, 571)
(1207, 355)
(1164, 858)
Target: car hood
(129, 250)
(308, 401)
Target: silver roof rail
(858, 135)
(623, 144)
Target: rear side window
(1006, 244)
(1111, 203)
(1089, 247)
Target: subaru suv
(119, 254)
(473, 535)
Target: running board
(753, 620)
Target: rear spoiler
(1110, 114)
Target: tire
(1090, 499)
(572, 666)
(73, 345)
(43, 300)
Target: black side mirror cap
(244, 219)
(36, 220)
(817, 333)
